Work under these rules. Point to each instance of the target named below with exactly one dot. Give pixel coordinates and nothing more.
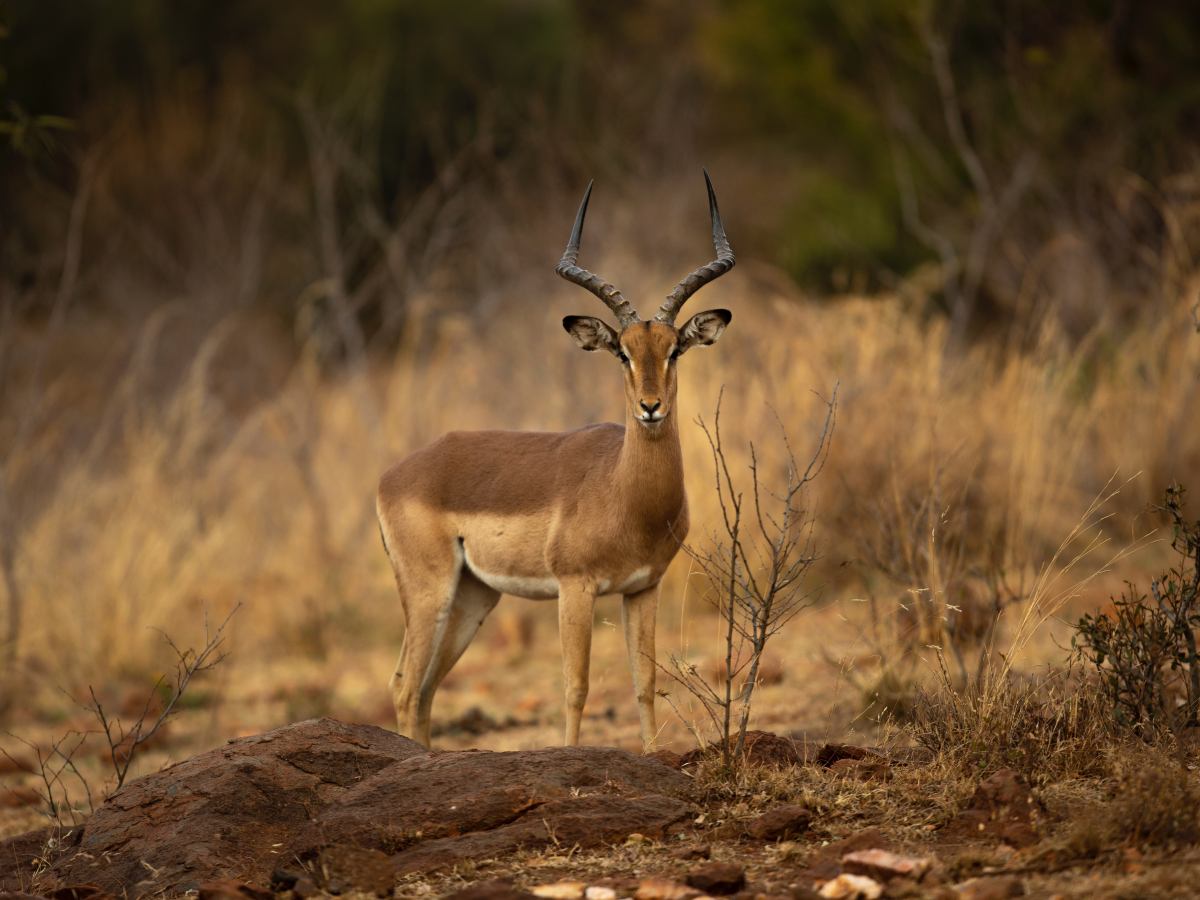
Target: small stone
(92, 892)
(305, 887)
(862, 769)
(695, 851)
(780, 823)
(231, 889)
(490, 890)
(902, 889)
(636, 838)
(1004, 807)
(344, 868)
(996, 887)
(851, 887)
(560, 890)
(718, 878)
(663, 889)
(884, 866)
(600, 892)
(284, 879)
(668, 758)
(832, 753)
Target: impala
(569, 515)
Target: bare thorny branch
(757, 576)
(53, 767)
(124, 743)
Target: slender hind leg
(396, 681)
(472, 602)
(427, 576)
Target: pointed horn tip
(712, 197)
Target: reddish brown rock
(780, 823)
(717, 878)
(884, 866)
(832, 753)
(360, 804)
(1004, 808)
(230, 812)
(564, 890)
(762, 748)
(586, 821)
(663, 889)
(668, 758)
(343, 869)
(827, 861)
(305, 888)
(447, 808)
(999, 887)
(80, 892)
(490, 890)
(906, 889)
(230, 889)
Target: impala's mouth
(651, 418)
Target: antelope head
(648, 350)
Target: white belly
(545, 587)
(637, 580)
(534, 587)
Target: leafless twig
(757, 566)
(53, 767)
(124, 743)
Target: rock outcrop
(325, 796)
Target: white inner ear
(703, 329)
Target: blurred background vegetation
(823, 115)
(250, 253)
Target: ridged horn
(609, 295)
(703, 275)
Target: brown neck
(649, 471)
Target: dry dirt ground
(1066, 836)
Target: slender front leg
(575, 606)
(638, 613)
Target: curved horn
(609, 295)
(703, 275)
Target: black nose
(650, 407)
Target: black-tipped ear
(591, 333)
(703, 328)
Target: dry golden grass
(154, 489)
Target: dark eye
(623, 358)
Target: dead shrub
(1045, 728)
(1157, 801)
(758, 565)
